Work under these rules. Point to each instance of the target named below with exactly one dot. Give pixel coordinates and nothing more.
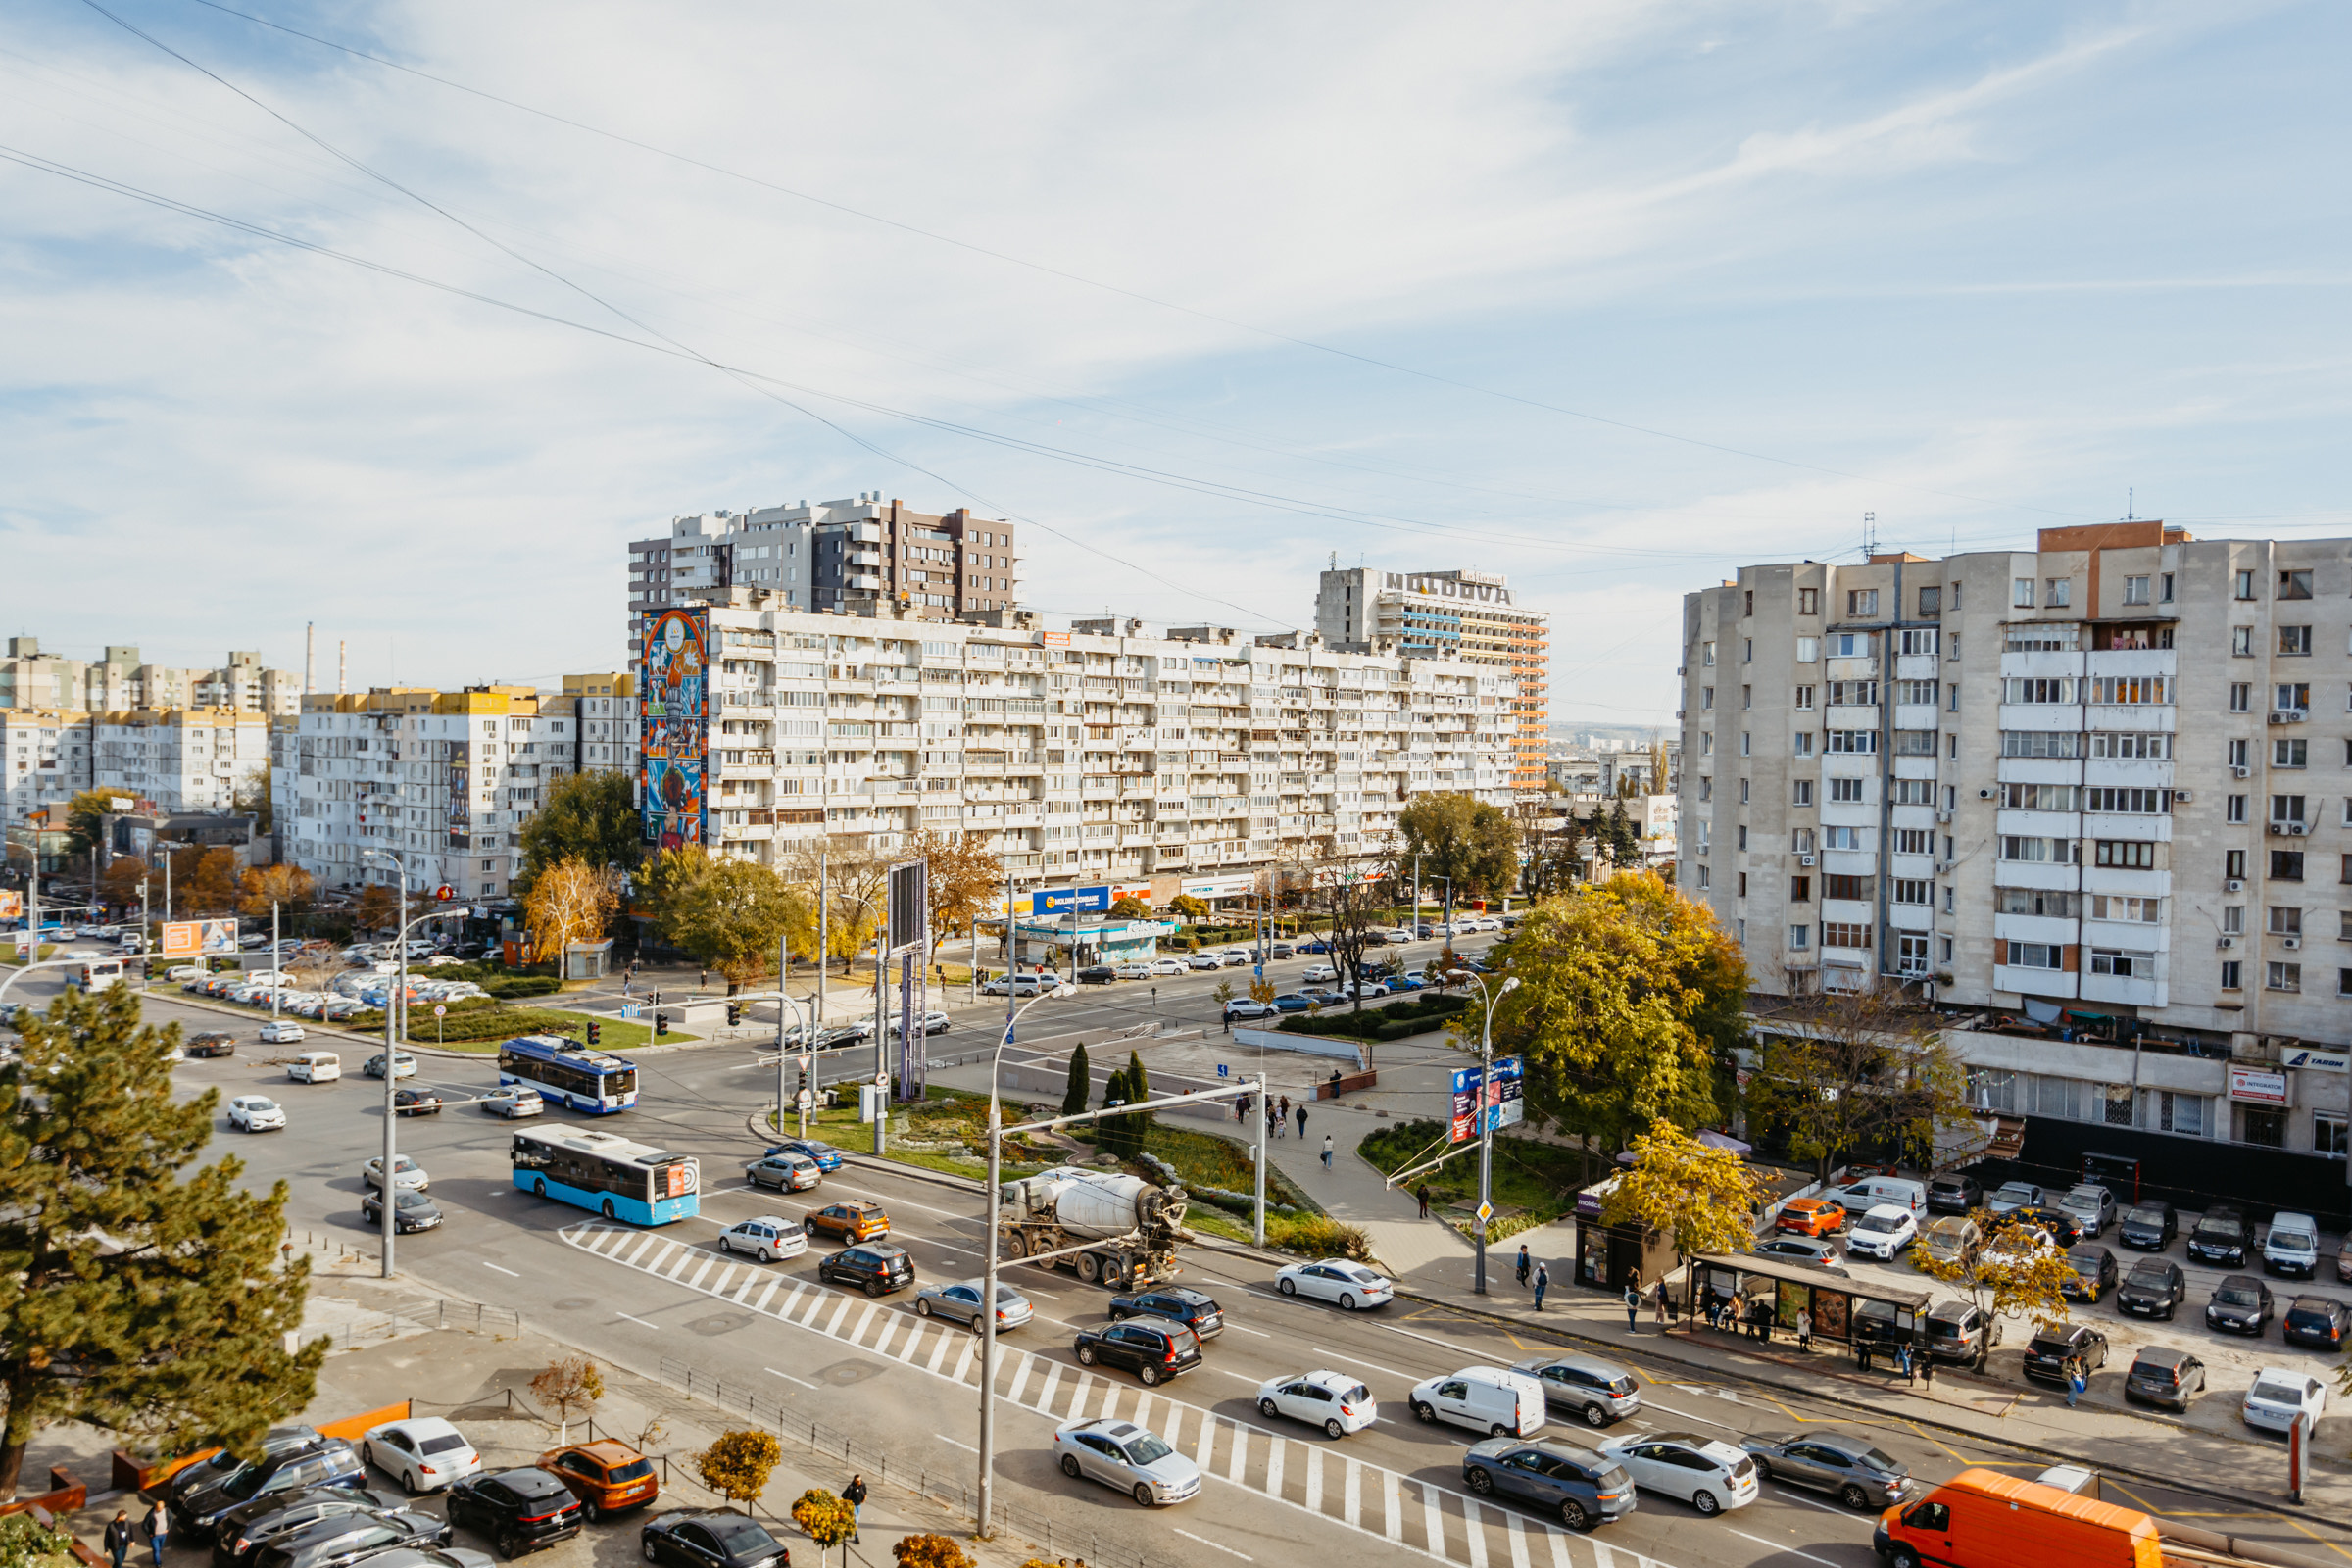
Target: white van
(2292, 1245)
(316, 1067)
(1483, 1399)
(1871, 1190)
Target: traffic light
(734, 1014)
(595, 1033)
(661, 1024)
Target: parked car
(1314, 945)
(211, 1043)
(255, 1114)
(2319, 1321)
(1800, 1249)
(785, 1173)
(513, 1102)
(1953, 1194)
(406, 1172)
(415, 1102)
(2014, 1195)
(709, 1537)
(765, 1238)
(2155, 1287)
(384, 1554)
(245, 1529)
(522, 1511)
(1022, 985)
(2052, 1347)
(2092, 1276)
(1244, 1010)
(1195, 1309)
(1352, 1285)
(852, 1221)
(1595, 1391)
(423, 1453)
(404, 1065)
(1337, 1401)
(280, 1032)
(1134, 970)
(609, 1476)
(1131, 1458)
(303, 1465)
(1097, 974)
(1295, 1002)
(1317, 972)
(2291, 1247)
(2057, 1224)
(2222, 1235)
(1854, 1470)
(1885, 1230)
(1167, 966)
(413, 1213)
(2241, 1305)
(1707, 1473)
(2166, 1376)
(828, 1157)
(2149, 1227)
(1952, 1239)
(1811, 1217)
(1577, 1486)
(874, 1267)
(1961, 1332)
(2092, 1205)
(2278, 1395)
(959, 1303)
(222, 1464)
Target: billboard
(2260, 1086)
(191, 939)
(1506, 1082)
(1086, 900)
(673, 728)
(12, 905)
(909, 907)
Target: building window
(1931, 601)
(2264, 1127)
(1742, 888)
(1805, 699)
(1802, 791)
(2242, 697)
(1808, 601)
(1706, 696)
(1742, 836)
(1843, 838)
(1801, 938)
(1706, 656)
(1802, 744)
(1747, 603)
(2242, 586)
(2125, 855)
(2295, 585)
(2181, 1113)
(1706, 787)
(1846, 934)
(2287, 920)
(1808, 650)
(2279, 977)
(2290, 753)
(2241, 641)
(2121, 965)
(2238, 754)
(2022, 596)
(2287, 809)
(1744, 747)
(2294, 642)
(1747, 698)
(2232, 976)
(2136, 590)
(2164, 588)
(1846, 789)
(1800, 890)
(1862, 603)
(2233, 865)
(2059, 593)
(1744, 792)
(1702, 879)
(1911, 954)
(2234, 919)
(1910, 890)
(2033, 955)
(2328, 1133)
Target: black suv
(1955, 1194)
(1154, 1350)
(2093, 1273)
(1098, 974)
(2241, 1305)
(221, 1464)
(2052, 1349)
(241, 1532)
(2148, 1227)
(2155, 1287)
(1195, 1309)
(324, 1463)
(709, 1537)
(2223, 1235)
(874, 1267)
(2319, 1321)
(519, 1509)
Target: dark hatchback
(2164, 1376)
(1961, 1331)
(340, 1543)
(415, 1102)
(875, 1268)
(1576, 1485)
(1955, 1194)
(711, 1538)
(1154, 1350)
(2155, 1287)
(2148, 1227)
(2318, 1321)
(333, 1462)
(522, 1511)
(1098, 974)
(1195, 1309)
(2052, 1349)
(2222, 1235)
(242, 1531)
(2056, 1223)
(2241, 1305)
(211, 1043)
(2092, 1273)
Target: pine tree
(1111, 1131)
(1079, 1084)
(137, 1298)
(1139, 1089)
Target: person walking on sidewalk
(1633, 1310)
(157, 1527)
(1657, 1304)
(1542, 1284)
(1805, 1330)
(1300, 1113)
(2075, 1382)
(1421, 1194)
(1526, 1263)
(1326, 1150)
(117, 1536)
(855, 1495)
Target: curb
(2270, 1505)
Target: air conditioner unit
(1943, 868)
(2227, 943)
(2238, 772)
(2297, 829)
(2181, 796)
(2294, 944)
(2277, 828)
(1804, 859)
(1984, 795)
(1943, 817)
(2287, 715)
(2233, 884)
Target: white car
(1708, 1475)
(1880, 1233)
(280, 1032)
(1352, 1285)
(423, 1453)
(407, 1174)
(1319, 971)
(185, 971)
(1135, 971)
(513, 1100)
(2281, 1394)
(1337, 1401)
(1204, 961)
(1167, 966)
(1236, 958)
(765, 1238)
(255, 1114)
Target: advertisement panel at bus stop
(1506, 1081)
(189, 939)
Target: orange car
(1811, 1217)
(606, 1477)
(851, 1222)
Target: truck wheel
(1090, 1268)
(1903, 1557)
(1016, 1246)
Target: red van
(1982, 1519)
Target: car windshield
(2217, 1225)
(2016, 1192)
(2149, 1274)
(414, 1201)
(2086, 1266)
(260, 1105)
(2052, 1344)
(1006, 1292)
(1879, 1222)
(634, 1470)
(442, 1443)
(2145, 1216)
(2307, 1312)
(2275, 1393)
(1148, 1449)
(2238, 1295)
(2293, 1241)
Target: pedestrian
(1632, 1310)
(1903, 1360)
(1927, 1371)
(702, 978)
(1542, 1284)
(855, 1495)
(1657, 1304)
(1526, 1263)
(1805, 1330)
(1300, 1113)
(1759, 1316)
(1861, 1354)
(625, 980)
(117, 1536)
(1326, 1150)
(1421, 1194)
(157, 1527)
(2075, 1382)
(1735, 1314)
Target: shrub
(1318, 1236)
(929, 1551)
(737, 1465)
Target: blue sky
(1610, 298)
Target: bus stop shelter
(1842, 1307)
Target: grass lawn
(946, 1115)
(14, 960)
(1534, 1182)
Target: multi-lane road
(1391, 1494)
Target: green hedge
(477, 1019)
(1407, 1015)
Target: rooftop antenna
(2130, 503)
(1870, 534)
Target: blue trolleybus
(566, 1074)
(608, 1174)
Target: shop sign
(1506, 1101)
(2258, 1086)
(2312, 1061)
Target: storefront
(1610, 1257)
(1839, 1306)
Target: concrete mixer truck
(1137, 1224)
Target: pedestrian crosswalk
(1312, 1474)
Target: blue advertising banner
(1506, 1084)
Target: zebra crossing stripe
(760, 1306)
(674, 1266)
(963, 1362)
(1433, 1521)
(726, 1277)
(1351, 1492)
(1559, 1549)
(1474, 1527)
(1020, 1377)
(1518, 1540)
(1274, 1471)
(1209, 1435)
(1314, 1479)
(1044, 1394)
(639, 1250)
(708, 1265)
(890, 1325)
(1392, 1506)
(1236, 1461)
(941, 1353)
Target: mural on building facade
(673, 728)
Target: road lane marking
(1517, 1538)
(788, 1377)
(1474, 1528)
(1213, 1546)
(1261, 1333)
(1274, 1461)
(966, 1447)
(1812, 1502)
(640, 1322)
(1351, 1492)
(1374, 1365)
(1772, 1545)
(509, 1273)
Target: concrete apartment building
(1191, 760)
(46, 759)
(121, 682)
(1470, 614)
(2101, 790)
(179, 760)
(846, 556)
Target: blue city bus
(608, 1174)
(568, 1074)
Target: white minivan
(2292, 1245)
(316, 1067)
(1871, 1191)
(1483, 1399)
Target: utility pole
(824, 946)
(147, 942)
(389, 1190)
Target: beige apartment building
(121, 681)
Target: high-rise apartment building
(1468, 615)
(2104, 784)
(182, 758)
(846, 555)
(1193, 758)
(121, 682)
(46, 759)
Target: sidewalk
(1433, 1262)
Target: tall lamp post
(1485, 1125)
(393, 998)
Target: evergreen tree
(1111, 1133)
(1080, 1083)
(136, 1299)
(1138, 1088)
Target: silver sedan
(960, 1301)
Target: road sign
(1221, 1069)
(628, 1010)
(1486, 1212)
(805, 1099)
(445, 893)
(806, 1062)
(440, 1012)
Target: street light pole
(392, 1000)
(1486, 1126)
(988, 1286)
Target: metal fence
(426, 1316)
(1084, 1545)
